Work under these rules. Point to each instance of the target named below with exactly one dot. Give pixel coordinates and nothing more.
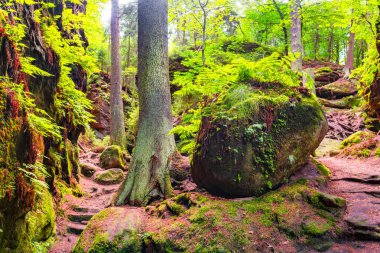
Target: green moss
(112, 157)
(355, 138)
(365, 153)
(377, 152)
(316, 228)
(322, 169)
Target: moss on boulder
(339, 89)
(111, 176)
(112, 157)
(194, 222)
(258, 142)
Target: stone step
(80, 209)
(78, 217)
(75, 228)
(84, 222)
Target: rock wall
(26, 212)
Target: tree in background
(296, 34)
(149, 177)
(117, 134)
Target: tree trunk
(148, 177)
(128, 64)
(350, 56)
(117, 134)
(316, 42)
(331, 43)
(284, 30)
(374, 95)
(204, 25)
(296, 37)
(337, 49)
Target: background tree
(296, 34)
(117, 134)
(149, 173)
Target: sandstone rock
(339, 89)
(240, 157)
(88, 169)
(111, 176)
(342, 103)
(112, 157)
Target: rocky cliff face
(39, 127)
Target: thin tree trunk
(296, 37)
(148, 177)
(316, 42)
(284, 30)
(117, 133)
(127, 76)
(331, 43)
(337, 49)
(350, 56)
(204, 26)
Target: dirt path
(78, 211)
(358, 181)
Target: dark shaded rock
(111, 176)
(99, 93)
(88, 169)
(248, 157)
(339, 89)
(112, 157)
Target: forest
(189, 126)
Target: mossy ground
(362, 144)
(295, 217)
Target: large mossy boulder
(112, 157)
(290, 219)
(260, 139)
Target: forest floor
(355, 179)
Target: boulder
(112, 157)
(339, 89)
(88, 169)
(112, 230)
(111, 176)
(342, 103)
(250, 154)
(325, 75)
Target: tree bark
(316, 42)
(204, 26)
(284, 30)
(331, 43)
(350, 56)
(117, 134)
(374, 89)
(296, 36)
(148, 177)
(128, 64)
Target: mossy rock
(343, 103)
(339, 89)
(112, 157)
(30, 229)
(356, 138)
(193, 222)
(111, 176)
(88, 169)
(112, 230)
(248, 155)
